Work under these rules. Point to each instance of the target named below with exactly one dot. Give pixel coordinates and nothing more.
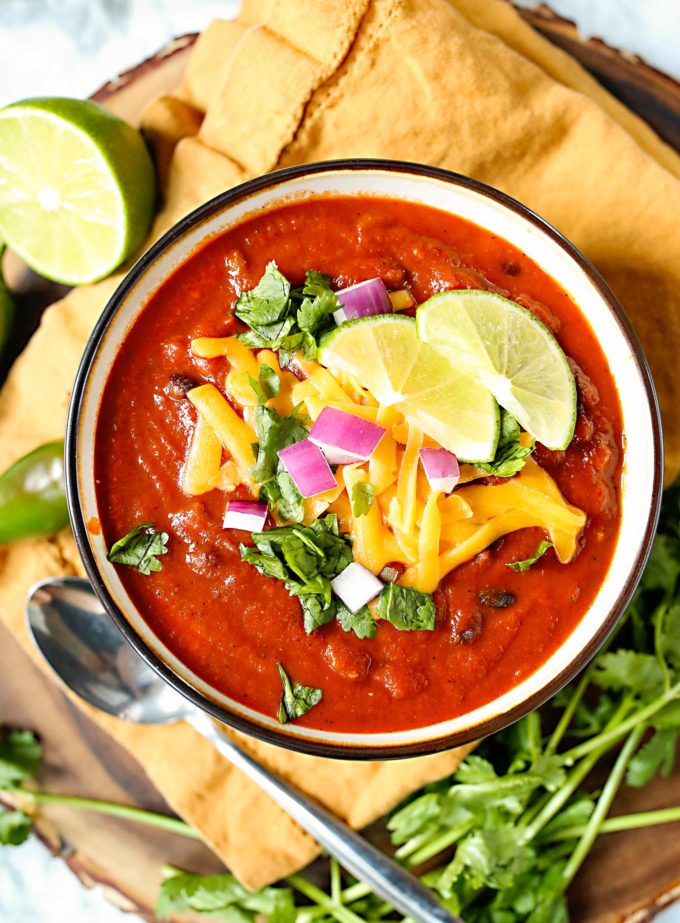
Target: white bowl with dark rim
(501, 215)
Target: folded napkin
(463, 85)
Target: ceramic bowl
(503, 216)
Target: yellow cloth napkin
(461, 84)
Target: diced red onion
(362, 300)
(245, 514)
(441, 468)
(356, 586)
(307, 466)
(345, 438)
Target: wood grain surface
(629, 876)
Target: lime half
(509, 351)
(384, 354)
(77, 188)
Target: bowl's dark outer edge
(317, 748)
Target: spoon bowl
(90, 655)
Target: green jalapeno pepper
(33, 494)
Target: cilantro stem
(659, 616)
(561, 796)
(623, 822)
(356, 892)
(440, 842)
(151, 818)
(603, 805)
(557, 801)
(336, 881)
(611, 736)
(343, 914)
(568, 713)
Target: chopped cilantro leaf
(362, 498)
(405, 608)
(522, 566)
(510, 453)
(283, 497)
(266, 385)
(284, 318)
(361, 622)
(314, 317)
(140, 548)
(275, 432)
(296, 699)
(316, 283)
(268, 303)
(306, 558)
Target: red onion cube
(356, 586)
(362, 300)
(307, 466)
(245, 514)
(441, 469)
(344, 437)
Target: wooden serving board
(629, 876)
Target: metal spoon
(90, 655)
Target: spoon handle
(388, 879)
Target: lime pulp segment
(386, 356)
(507, 350)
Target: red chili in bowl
(230, 624)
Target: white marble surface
(649, 28)
(70, 47)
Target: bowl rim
(246, 725)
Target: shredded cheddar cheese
(202, 466)
(231, 429)
(407, 522)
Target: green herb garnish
(275, 432)
(405, 608)
(510, 453)
(306, 558)
(522, 566)
(266, 385)
(284, 318)
(363, 495)
(140, 548)
(296, 699)
(361, 623)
